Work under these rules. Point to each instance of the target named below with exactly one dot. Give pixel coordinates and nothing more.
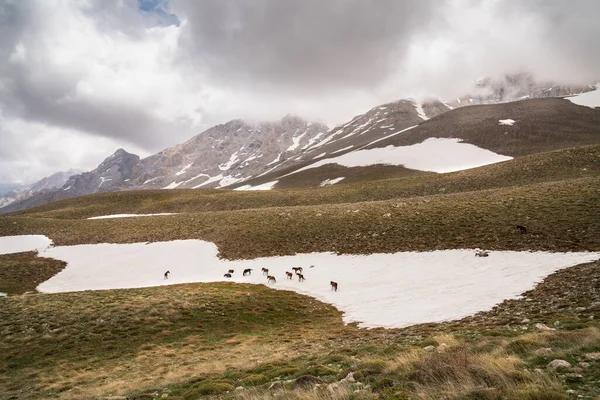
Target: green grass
(52, 343)
(22, 272)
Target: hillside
(552, 166)
(510, 129)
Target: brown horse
(271, 279)
(167, 274)
(334, 285)
(522, 229)
(288, 275)
(231, 271)
(247, 271)
(300, 278)
(227, 275)
(265, 271)
(297, 269)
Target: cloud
(80, 78)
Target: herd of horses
(298, 271)
(334, 286)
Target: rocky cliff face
(227, 153)
(114, 173)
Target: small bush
(208, 388)
(320, 370)
(254, 380)
(522, 346)
(372, 367)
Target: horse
(289, 275)
(231, 271)
(300, 277)
(522, 229)
(297, 269)
(247, 271)
(271, 279)
(227, 275)
(167, 274)
(334, 285)
(265, 271)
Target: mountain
(228, 153)
(21, 193)
(462, 138)
(401, 138)
(217, 157)
(514, 87)
(114, 173)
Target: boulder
(555, 364)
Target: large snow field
(588, 99)
(377, 290)
(434, 154)
(17, 244)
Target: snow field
(377, 290)
(434, 154)
(17, 244)
(588, 99)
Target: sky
(82, 78)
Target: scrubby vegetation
(22, 272)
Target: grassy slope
(22, 272)
(541, 125)
(102, 341)
(561, 215)
(552, 166)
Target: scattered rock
(442, 347)
(429, 348)
(592, 356)
(525, 321)
(543, 327)
(333, 388)
(579, 309)
(545, 351)
(584, 364)
(387, 215)
(350, 377)
(239, 388)
(555, 364)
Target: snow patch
(377, 290)
(209, 180)
(588, 99)
(129, 215)
(320, 155)
(276, 160)
(434, 154)
(264, 186)
(420, 111)
(184, 169)
(18, 244)
(173, 185)
(329, 182)
(228, 164)
(296, 142)
(345, 148)
(508, 122)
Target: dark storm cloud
(306, 44)
(35, 90)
